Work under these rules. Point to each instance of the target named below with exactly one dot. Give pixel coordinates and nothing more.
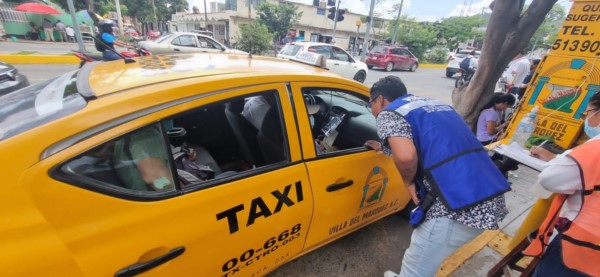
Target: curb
(428, 65)
(38, 59)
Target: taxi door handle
(334, 187)
(176, 49)
(139, 268)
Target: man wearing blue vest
(456, 186)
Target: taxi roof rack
(310, 58)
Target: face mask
(589, 130)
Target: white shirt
(561, 175)
(473, 62)
(517, 70)
(70, 32)
(255, 110)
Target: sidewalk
(40, 52)
(479, 256)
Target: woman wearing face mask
(574, 177)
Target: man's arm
(405, 158)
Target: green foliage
(547, 32)
(106, 7)
(436, 55)
(418, 37)
(255, 38)
(79, 5)
(455, 30)
(278, 19)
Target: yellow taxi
(158, 168)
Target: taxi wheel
(414, 67)
(389, 67)
(360, 76)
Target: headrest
(235, 106)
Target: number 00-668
(577, 45)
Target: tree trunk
(508, 32)
(90, 5)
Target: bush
(436, 55)
(255, 38)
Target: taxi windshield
(38, 104)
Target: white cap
(313, 108)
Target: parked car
(338, 60)
(153, 34)
(455, 59)
(180, 42)
(392, 57)
(132, 34)
(11, 79)
(93, 162)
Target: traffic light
(331, 14)
(340, 16)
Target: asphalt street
(430, 82)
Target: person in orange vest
(574, 177)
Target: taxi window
(231, 137)
(185, 41)
(340, 55)
(323, 50)
(193, 150)
(136, 164)
(340, 120)
(39, 104)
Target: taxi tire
(360, 76)
(389, 66)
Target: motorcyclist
(473, 63)
(107, 37)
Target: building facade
(225, 21)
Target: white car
(338, 60)
(455, 59)
(180, 42)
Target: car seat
(244, 132)
(270, 137)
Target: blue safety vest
(454, 162)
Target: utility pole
(119, 18)
(337, 10)
(397, 22)
(358, 23)
(76, 26)
(367, 33)
(205, 17)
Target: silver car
(180, 42)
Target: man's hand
(542, 153)
(373, 144)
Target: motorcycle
(88, 57)
(463, 78)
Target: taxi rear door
(352, 185)
(244, 224)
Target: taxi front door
(352, 187)
(244, 225)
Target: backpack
(98, 42)
(465, 63)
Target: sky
(422, 10)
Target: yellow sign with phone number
(580, 33)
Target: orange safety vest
(581, 241)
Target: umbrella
(36, 8)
